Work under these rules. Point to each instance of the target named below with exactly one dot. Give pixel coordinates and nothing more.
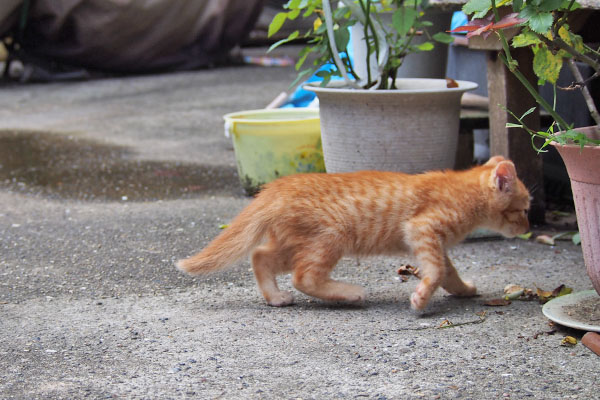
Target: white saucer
(561, 310)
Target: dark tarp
(132, 35)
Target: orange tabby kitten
(304, 224)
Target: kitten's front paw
(281, 299)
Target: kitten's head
(508, 199)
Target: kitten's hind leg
(267, 262)
(454, 285)
(311, 276)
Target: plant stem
(368, 25)
(509, 60)
(588, 49)
(334, 51)
(512, 66)
(584, 90)
(367, 11)
(563, 19)
(538, 98)
(378, 32)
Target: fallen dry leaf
(546, 295)
(568, 341)
(451, 83)
(517, 292)
(407, 270)
(543, 295)
(497, 302)
(445, 323)
(545, 239)
(561, 291)
(513, 292)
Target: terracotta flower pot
(583, 166)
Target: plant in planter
(546, 30)
(367, 122)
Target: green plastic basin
(269, 144)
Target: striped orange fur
(304, 224)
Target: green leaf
(566, 3)
(293, 14)
(427, 46)
(342, 37)
(550, 5)
(339, 12)
(292, 4)
(302, 56)
(541, 22)
(477, 7)
(564, 291)
(276, 23)
(304, 73)
(546, 65)
(571, 39)
(526, 113)
(443, 37)
(291, 37)
(576, 239)
(309, 11)
(525, 236)
(321, 29)
(403, 19)
(517, 5)
(525, 39)
(511, 125)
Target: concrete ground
(105, 183)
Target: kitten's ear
(504, 176)
(495, 160)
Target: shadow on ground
(68, 167)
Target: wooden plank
(507, 93)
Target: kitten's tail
(243, 234)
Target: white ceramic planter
(412, 129)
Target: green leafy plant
(329, 37)
(545, 29)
